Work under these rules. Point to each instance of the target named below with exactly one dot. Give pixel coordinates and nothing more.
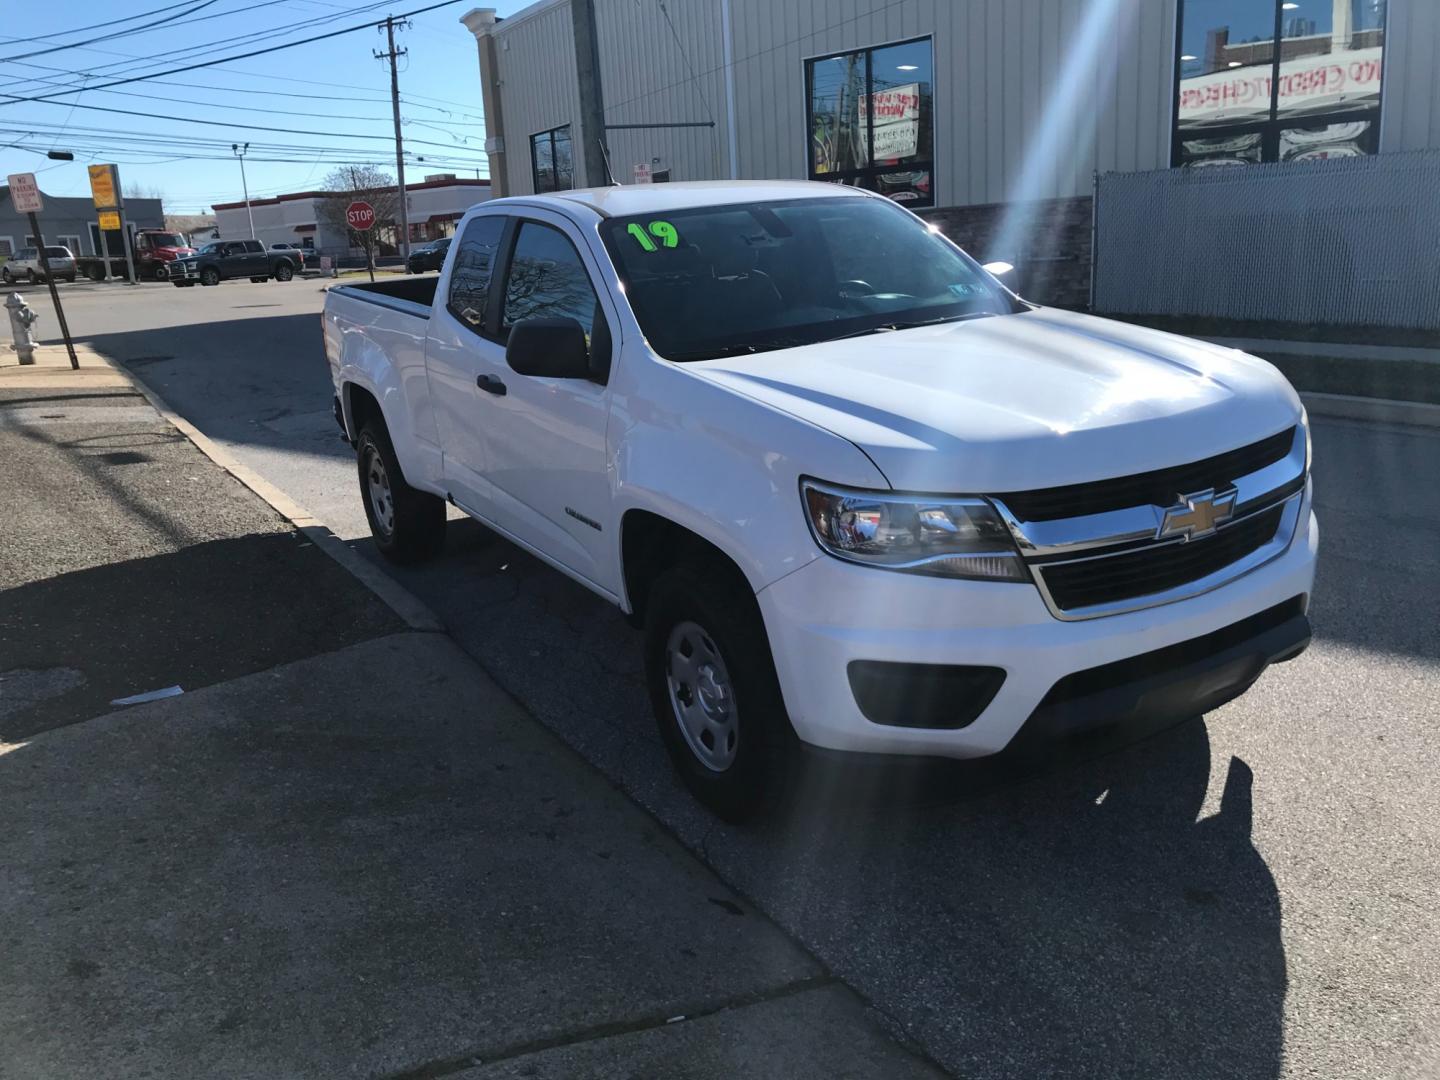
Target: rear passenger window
(474, 264)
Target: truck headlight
(939, 535)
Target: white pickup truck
(858, 494)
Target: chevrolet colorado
(857, 493)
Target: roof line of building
(292, 196)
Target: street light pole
(239, 152)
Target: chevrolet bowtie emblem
(1197, 515)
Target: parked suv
(26, 263)
(223, 259)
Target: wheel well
(651, 544)
(362, 407)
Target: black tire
(408, 524)
(70, 279)
(32, 277)
(209, 276)
(95, 273)
(718, 602)
(284, 271)
(6, 276)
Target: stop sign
(360, 216)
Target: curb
(413, 611)
(1380, 410)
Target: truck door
(458, 349)
(257, 259)
(545, 447)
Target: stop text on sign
(360, 216)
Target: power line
(274, 112)
(248, 92)
(245, 56)
(192, 53)
(231, 124)
(107, 37)
(108, 22)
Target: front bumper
(177, 272)
(829, 613)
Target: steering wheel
(855, 287)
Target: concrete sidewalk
(342, 850)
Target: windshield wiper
(737, 349)
(885, 328)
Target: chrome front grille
(1107, 556)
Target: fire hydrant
(21, 319)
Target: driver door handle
(491, 384)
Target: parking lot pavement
(132, 563)
(373, 863)
(1250, 894)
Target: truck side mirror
(998, 268)
(548, 347)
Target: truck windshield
(161, 240)
(723, 280)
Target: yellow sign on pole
(109, 219)
(103, 187)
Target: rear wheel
(283, 272)
(714, 691)
(209, 276)
(70, 278)
(408, 524)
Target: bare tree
(361, 183)
(131, 190)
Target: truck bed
(411, 292)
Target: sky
(343, 92)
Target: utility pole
(239, 151)
(392, 55)
(592, 101)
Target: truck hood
(1007, 403)
(168, 253)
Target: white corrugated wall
(1023, 108)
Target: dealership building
(994, 117)
(301, 218)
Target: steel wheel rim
(377, 482)
(702, 696)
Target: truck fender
(726, 468)
(364, 364)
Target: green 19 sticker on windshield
(660, 230)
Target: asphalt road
(1251, 894)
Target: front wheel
(283, 272)
(7, 277)
(714, 691)
(209, 276)
(408, 524)
(32, 277)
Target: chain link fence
(1347, 242)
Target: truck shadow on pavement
(1076, 909)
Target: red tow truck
(154, 250)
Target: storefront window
(870, 115)
(551, 162)
(1242, 100)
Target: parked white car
(25, 265)
(859, 495)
